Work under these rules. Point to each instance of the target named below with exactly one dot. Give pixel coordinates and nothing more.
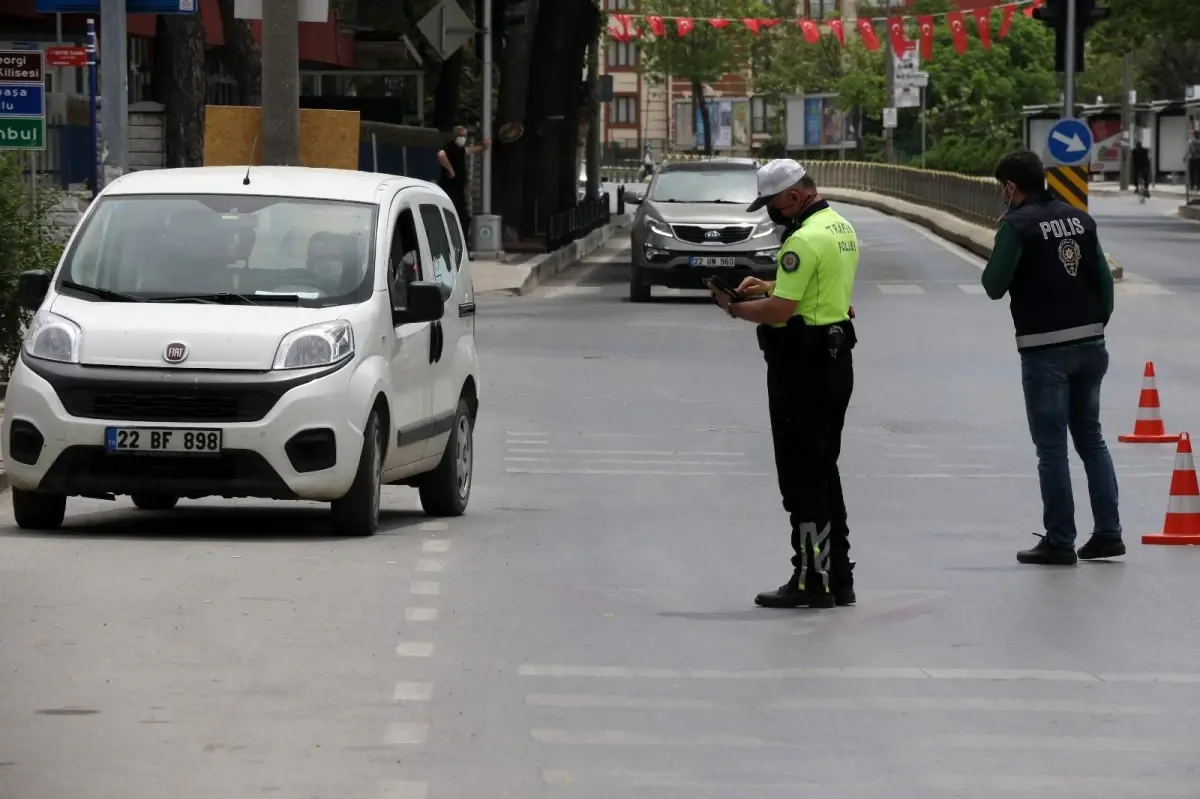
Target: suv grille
(146, 406)
(725, 235)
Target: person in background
(1193, 159)
(1141, 169)
(647, 162)
(453, 158)
(1047, 258)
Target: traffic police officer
(1048, 259)
(806, 336)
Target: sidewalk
(1161, 189)
(523, 273)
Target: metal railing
(575, 223)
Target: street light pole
(1072, 41)
(280, 83)
(486, 109)
(889, 66)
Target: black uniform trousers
(808, 393)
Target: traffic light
(1054, 16)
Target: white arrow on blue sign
(1070, 142)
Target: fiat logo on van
(176, 352)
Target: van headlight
(53, 338)
(317, 345)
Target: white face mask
(461, 141)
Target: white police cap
(774, 177)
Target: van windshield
(313, 253)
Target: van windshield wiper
(104, 294)
(229, 298)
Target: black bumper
(693, 277)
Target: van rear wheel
(36, 511)
(357, 513)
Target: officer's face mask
(793, 205)
(1007, 190)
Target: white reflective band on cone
(1187, 505)
(1148, 383)
(1184, 463)
(1148, 414)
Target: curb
(969, 240)
(1190, 212)
(564, 257)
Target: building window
(623, 111)
(762, 115)
(820, 9)
(619, 5)
(622, 55)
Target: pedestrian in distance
(453, 159)
(806, 335)
(1047, 258)
(1140, 159)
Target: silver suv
(692, 223)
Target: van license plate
(173, 440)
(703, 260)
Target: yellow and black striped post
(1069, 184)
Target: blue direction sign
(1069, 142)
(22, 100)
(131, 6)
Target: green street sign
(22, 133)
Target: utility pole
(486, 110)
(593, 134)
(889, 66)
(281, 83)
(1127, 120)
(114, 89)
(1072, 41)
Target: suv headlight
(317, 345)
(764, 229)
(659, 227)
(53, 338)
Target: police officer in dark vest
(1048, 259)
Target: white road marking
(413, 692)
(910, 704)
(434, 526)
(436, 545)
(420, 614)
(1034, 785)
(633, 462)
(900, 288)
(404, 790)
(627, 702)
(1061, 743)
(633, 738)
(414, 649)
(1152, 289)
(401, 733)
(636, 472)
(523, 434)
(430, 565)
(616, 435)
(971, 288)
(425, 588)
(646, 452)
(852, 673)
(524, 443)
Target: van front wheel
(357, 513)
(446, 490)
(36, 511)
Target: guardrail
(575, 223)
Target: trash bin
(485, 233)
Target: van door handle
(436, 339)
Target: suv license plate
(703, 260)
(168, 440)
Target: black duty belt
(804, 342)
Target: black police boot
(1100, 547)
(797, 593)
(1045, 555)
(841, 584)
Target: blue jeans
(1062, 392)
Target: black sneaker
(1099, 547)
(792, 595)
(1045, 555)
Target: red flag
(752, 24)
(657, 26)
(900, 45)
(812, 34)
(839, 31)
(1006, 23)
(1036, 4)
(958, 29)
(767, 23)
(867, 30)
(719, 23)
(926, 25)
(620, 27)
(983, 21)
(683, 26)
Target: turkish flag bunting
(983, 21)
(657, 26)
(752, 24)
(1006, 23)
(683, 26)
(620, 27)
(1036, 4)
(926, 26)
(839, 31)
(958, 30)
(718, 23)
(900, 45)
(812, 34)
(869, 37)
(767, 23)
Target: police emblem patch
(790, 262)
(1070, 255)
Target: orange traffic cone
(1182, 525)
(1148, 428)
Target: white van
(283, 333)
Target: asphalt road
(587, 630)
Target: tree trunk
(513, 106)
(245, 54)
(700, 108)
(182, 87)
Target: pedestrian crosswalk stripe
(971, 288)
(854, 673)
(901, 288)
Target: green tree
(705, 54)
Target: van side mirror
(32, 287)
(425, 304)
(634, 197)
